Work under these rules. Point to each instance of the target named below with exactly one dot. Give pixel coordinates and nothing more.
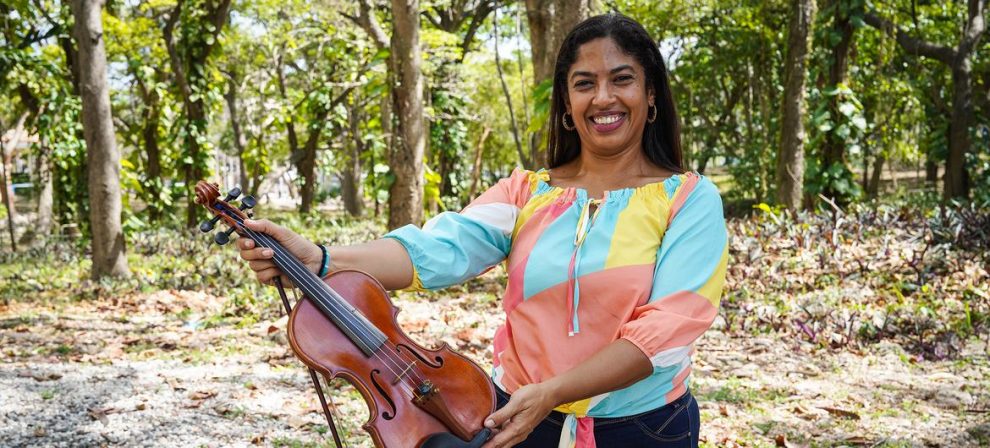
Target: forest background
(850, 139)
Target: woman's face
(607, 98)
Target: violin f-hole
(374, 380)
(436, 364)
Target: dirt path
(146, 371)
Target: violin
(345, 326)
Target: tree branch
(920, 47)
(975, 26)
(366, 20)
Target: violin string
(414, 373)
(343, 315)
(356, 325)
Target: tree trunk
(6, 191)
(873, 186)
(549, 22)
(149, 136)
(350, 183)
(524, 159)
(931, 170)
(834, 148)
(46, 197)
(476, 170)
(235, 126)
(189, 67)
(790, 161)
(306, 163)
(6, 181)
(406, 161)
(102, 156)
(956, 179)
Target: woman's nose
(603, 95)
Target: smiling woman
(615, 257)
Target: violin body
(463, 396)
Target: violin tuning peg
(232, 194)
(248, 202)
(207, 226)
(223, 237)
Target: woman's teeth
(606, 119)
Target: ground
(149, 369)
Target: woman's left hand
(527, 407)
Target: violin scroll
(208, 195)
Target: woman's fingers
(265, 226)
(259, 253)
(245, 243)
(266, 276)
(261, 265)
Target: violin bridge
(403, 373)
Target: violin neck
(355, 325)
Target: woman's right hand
(260, 258)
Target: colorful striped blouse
(646, 264)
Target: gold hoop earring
(563, 119)
(653, 116)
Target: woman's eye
(582, 84)
(623, 78)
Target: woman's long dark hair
(662, 138)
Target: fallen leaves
(840, 412)
(781, 441)
(196, 398)
(40, 376)
(101, 414)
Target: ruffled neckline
(542, 178)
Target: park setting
(849, 141)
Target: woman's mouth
(607, 122)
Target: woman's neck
(598, 172)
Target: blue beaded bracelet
(325, 264)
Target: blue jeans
(675, 425)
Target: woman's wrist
(314, 258)
(324, 268)
(552, 389)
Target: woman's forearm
(618, 365)
(386, 260)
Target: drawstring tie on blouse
(585, 221)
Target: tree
(840, 41)
(199, 23)
(958, 59)
(790, 161)
(549, 22)
(406, 158)
(103, 159)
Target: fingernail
(489, 423)
(267, 252)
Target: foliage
(163, 259)
(876, 271)
(849, 126)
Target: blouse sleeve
(688, 277)
(454, 247)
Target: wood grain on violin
(346, 327)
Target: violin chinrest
(448, 440)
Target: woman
(615, 258)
